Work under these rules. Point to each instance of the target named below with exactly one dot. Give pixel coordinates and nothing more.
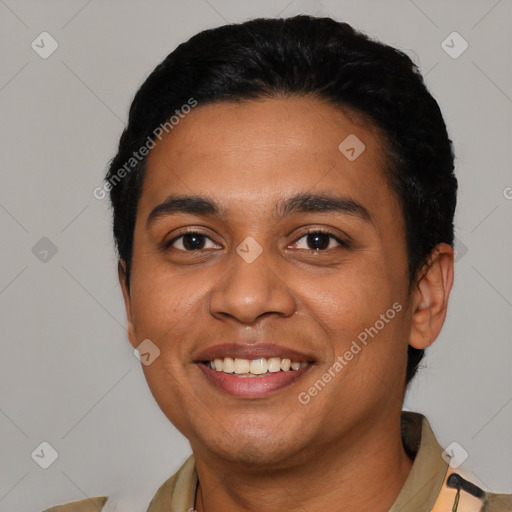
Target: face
(260, 243)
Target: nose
(249, 290)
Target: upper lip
(245, 350)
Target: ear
(130, 331)
(430, 297)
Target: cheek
(351, 301)
(166, 383)
(161, 300)
(363, 316)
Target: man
(283, 201)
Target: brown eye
(319, 241)
(191, 242)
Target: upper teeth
(256, 366)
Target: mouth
(254, 367)
(265, 369)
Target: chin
(264, 451)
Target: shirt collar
(428, 471)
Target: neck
(364, 473)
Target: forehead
(259, 151)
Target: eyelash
(344, 244)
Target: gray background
(68, 375)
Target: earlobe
(130, 330)
(430, 297)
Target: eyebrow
(312, 203)
(183, 204)
(299, 203)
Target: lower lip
(258, 386)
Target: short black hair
(303, 56)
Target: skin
(275, 453)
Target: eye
(191, 241)
(318, 240)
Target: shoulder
(87, 505)
(460, 489)
(176, 493)
(498, 503)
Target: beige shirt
(425, 489)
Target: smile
(256, 378)
(260, 366)
(252, 369)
